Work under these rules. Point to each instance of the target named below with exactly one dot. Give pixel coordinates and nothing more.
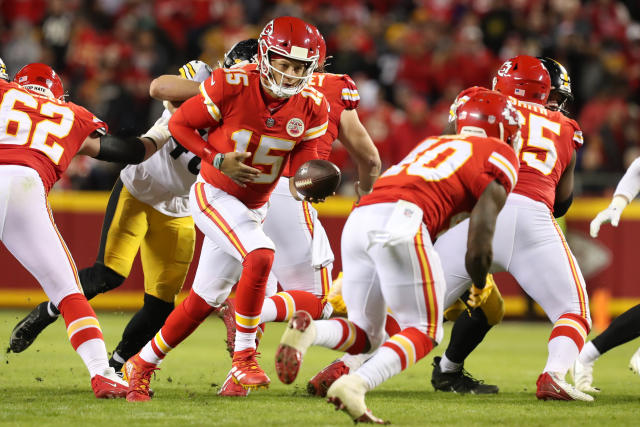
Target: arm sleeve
(629, 185)
(349, 96)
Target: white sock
(354, 361)
(117, 357)
(245, 340)
(447, 366)
(94, 355)
(328, 333)
(383, 364)
(589, 354)
(269, 311)
(148, 355)
(563, 351)
(50, 311)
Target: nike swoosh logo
(555, 388)
(110, 383)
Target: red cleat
(296, 340)
(320, 383)
(552, 387)
(139, 374)
(246, 372)
(230, 388)
(227, 313)
(109, 385)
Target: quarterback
(266, 118)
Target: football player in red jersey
(389, 260)
(303, 269)
(39, 134)
(265, 117)
(527, 235)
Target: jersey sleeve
(500, 165)
(349, 96)
(199, 112)
(577, 134)
(86, 122)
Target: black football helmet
(560, 85)
(245, 50)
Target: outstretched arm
(358, 143)
(173, 88)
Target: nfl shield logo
(270, 122)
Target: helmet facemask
(268, 72)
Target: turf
(48, 385)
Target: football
(317, 179)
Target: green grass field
(48, 385)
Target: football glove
(478, 296)
(159, 132)
(611, 214)
(335, 297)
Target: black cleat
(458, 382)
(26, 331)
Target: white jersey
(164, 179)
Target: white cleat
(582, 374)
(347, 393)
(296, 340)
(634, 363)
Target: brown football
(317, 179)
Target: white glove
(159, 132)
(611, 214)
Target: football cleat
(231, 388)
(458, 382)
(347, 394)
(296, 340)
(634, 363)
(550, 386)
(320, 383)
(227, 314)
(246, 372)
(139, 374)
(109, 385)
(582, 375)
(28, 329)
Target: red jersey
(445, 176)
(549, 139)
(232, 106)
(342, 94)
(42, 133)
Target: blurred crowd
(409, 59)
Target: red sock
(182, 321)
(288, 302)
(572, 326)
(410, 345)
(251, 289)
(81, 321)
(354, 340)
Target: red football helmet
(291, 38)
(523, 77)
(322, 47)
(41, 79)
(490, 113)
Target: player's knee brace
(98, 279)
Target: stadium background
(409, 60)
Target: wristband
(217, 160)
